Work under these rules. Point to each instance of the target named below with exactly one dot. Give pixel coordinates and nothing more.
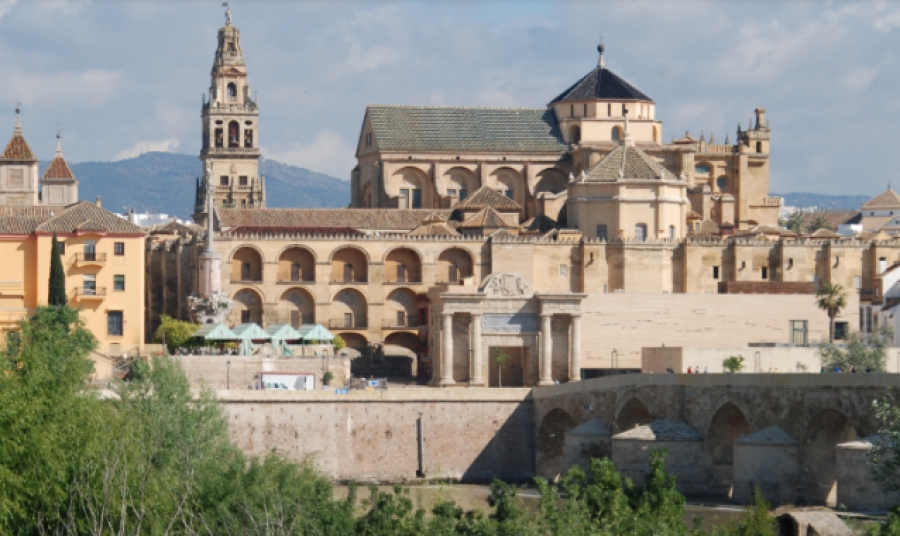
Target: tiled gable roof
(601, 84)
(627, 163)
(22, 220)
(886, 199)
(59, 169)
(486, 217)
(433, 229)
(441, 128)
(82, 216)
(17, 148)
(374, 219)
(823, 233)
(488, 197)
(86, 216)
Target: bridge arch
(827, 428)
(552, 433)
(633, 412)
(728, 423)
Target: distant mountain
(824, 202)
(165, 182)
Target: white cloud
(91, 87)
(329, 153)
(859, 78)
(147, 146)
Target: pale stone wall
(856, 489)
(213, 371)
(628, 322)
(470, 434)
(773, 468)
(684, 460)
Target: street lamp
(614, 359)
(228, 375)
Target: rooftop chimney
(98, 202)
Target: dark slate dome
(601, 84)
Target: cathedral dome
(601, 84)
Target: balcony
(409, 323)
(407, 281)
(90, 259)
(296, 281)
(245, 281)
(343, 323)
(90, 293)
(361, 281)
(233, 150)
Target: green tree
(830, 297)
(339, 343)
(756, 520)
(885, 452)
(173, 332)
(500, 358)
(48, 422)
(863, 350)
(819, 222)
(734, 363)
(793, 222)
(57, 293)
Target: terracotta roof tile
(485, 197)
(434, 229)
(362, 219)
(541, 224)
(83, 216)
(627, 163)
(486, 217)
(17, 148)
(59, 169)
(886, 199)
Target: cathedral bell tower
(230, 149)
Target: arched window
(759, 147)
(702, 169)
(614, 134)
(575, 134)
(232, 90)
(233, 134)
(722, 183)
(640, 231)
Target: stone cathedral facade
(565, 237)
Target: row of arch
(825, 430)
(349, 264)
(348, 308)
(458, 182)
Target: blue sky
(124, 77)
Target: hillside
(165, 182)
(824, 202)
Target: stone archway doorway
(513, 369)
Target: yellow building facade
(103, 258)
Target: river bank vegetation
(152, 457)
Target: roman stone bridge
(716, 427)
(710, 412)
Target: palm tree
(819, 223)
(793, 222)
(831, 298)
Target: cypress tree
(57, 295)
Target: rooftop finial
(227, 13)
(18, 123)
(600, 49)
(58, 141)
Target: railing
(90, 256)
(88, 292)
(350, 282)
(394, 324)
(341, 323)
(447, 282)
(866, 294)
(772, 201)
(296, 281)
(233, 150)
(236, 281)
(407, 281)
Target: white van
(287, 381)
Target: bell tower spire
(230, 149)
